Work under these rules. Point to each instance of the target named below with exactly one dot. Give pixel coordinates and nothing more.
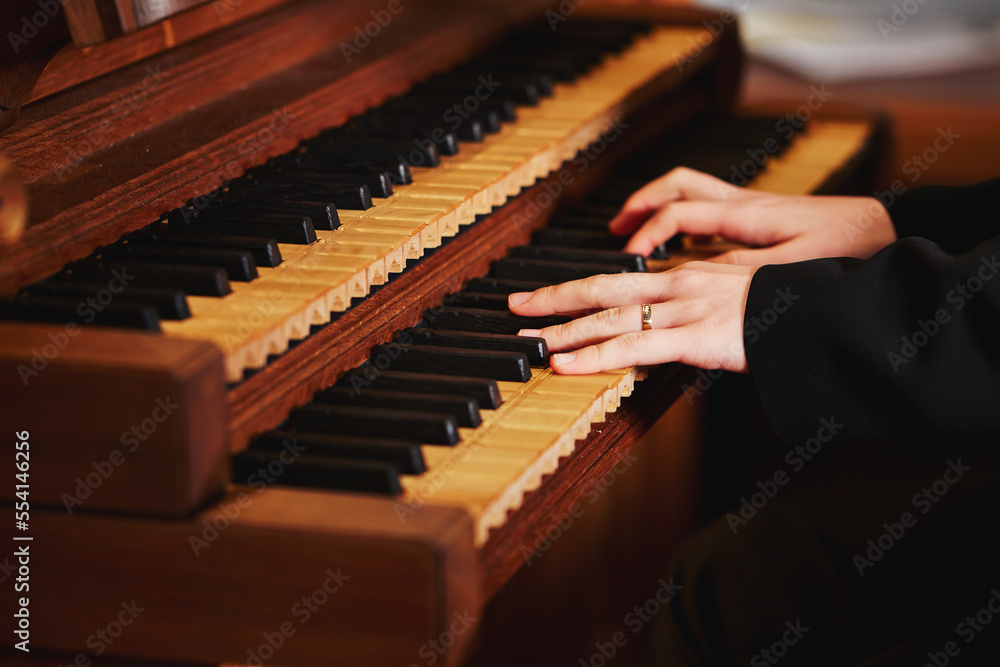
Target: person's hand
(783, 228)
(697, 318)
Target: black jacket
(906, 342)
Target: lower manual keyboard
(521, 428)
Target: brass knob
(13, 203)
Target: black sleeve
(905, 342)
(956, 218)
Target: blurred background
(929, 64)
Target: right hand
(781, 228)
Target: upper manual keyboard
(255, 266)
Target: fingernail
(565, 358)
(517, 298)
(531, 333)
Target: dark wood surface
(118, 420)
(95, 21)
(214, 587)
(108, 158)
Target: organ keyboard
(201, 553)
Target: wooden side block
(116, 420)
(282, 577)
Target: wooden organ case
(132, 434)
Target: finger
(791, 251)
(677, 185)
(589, 294)
(633, 349)
(694, 217)
(608, 324)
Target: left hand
(697, 313)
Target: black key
(485, 391)
(302, 233)
(435, 428)
(61, 311)
(451, 111)
(559, 69)
(200, 280)
(237, 264)
(575, 238)
(445, 140)
(404, 454)
(497, 286)
(280, 227)
(431, 126)
(553, 272)
(463, 408)
(169, 304)
(398, 170)
(289, 185)
(323, 214)
(597, 211)
(467, 299)
(536, 349)
(261, 468)
(379, 182)
(489, 321)
(580, 221)
(265, 252)
(627, 261)
(509, 366)
(525, 89)
(416, 153)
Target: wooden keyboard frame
(448, 574)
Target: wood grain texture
(118, 421)
(214, 587)
(264, 399)
(69, 65)
(607, 444)
(178, 138)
